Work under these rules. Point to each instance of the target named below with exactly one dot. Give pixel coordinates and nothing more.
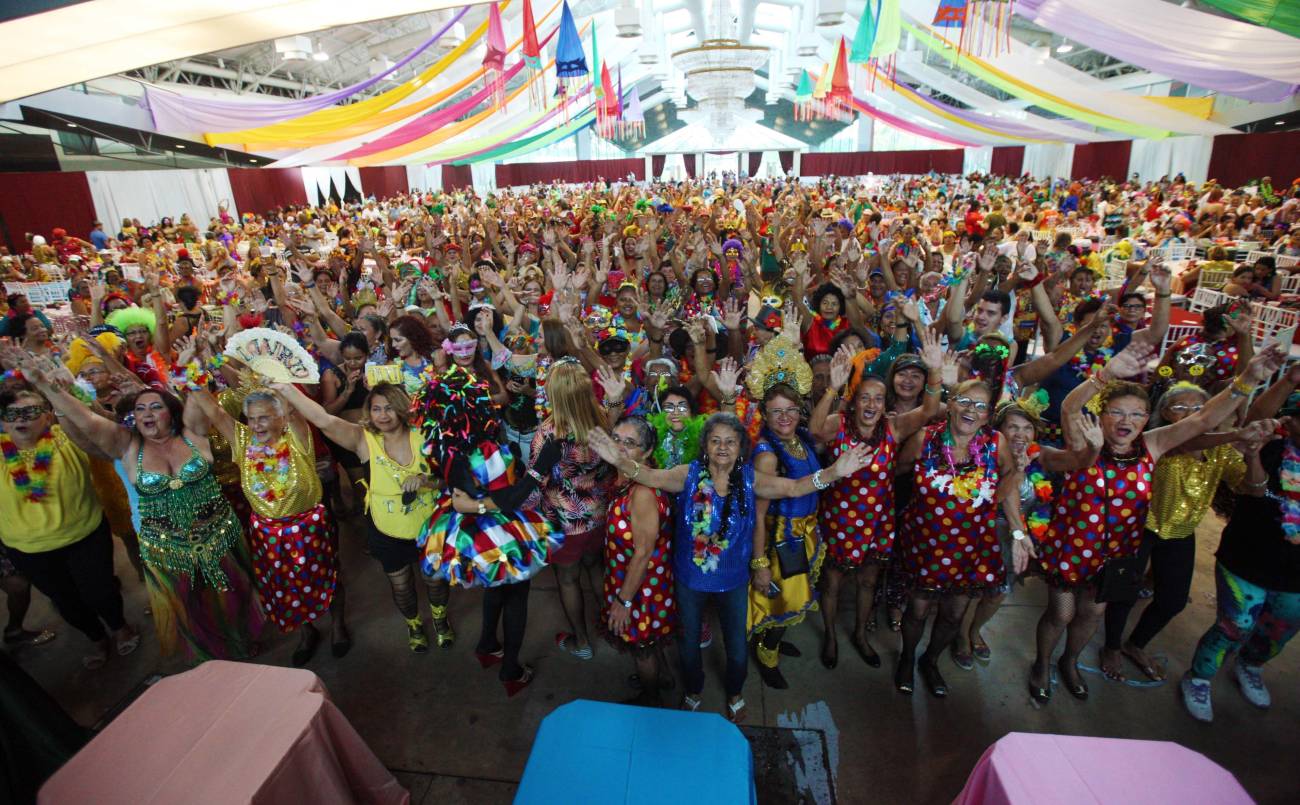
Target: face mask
(460, 349)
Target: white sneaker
(1251, 682)
(1196, 697)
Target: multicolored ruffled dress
(490, 549)
(196, 564)
(291, 534)
(857, 512)
(949, 536)
(791, 518)
(653, 612)
(1100, 514)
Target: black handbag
(791, 554)
(1120, 579)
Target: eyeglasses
(1134, 306)
(978, 405)
(777, 413)
(25, 413)
(678, 407)
(1184, 409)
(1127, 414)
(631, 444)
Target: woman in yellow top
(293, 537)
(399, 498)
(53, 525)
(1182, 488)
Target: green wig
(129, 317)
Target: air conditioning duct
(293, 48)
(830, 13)
(627, 19)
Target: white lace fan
(273, 355)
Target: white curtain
(1151, 159)
(484, 175)
(977, 160)
(674, 169)
(1049, 160)
(312, 180)
(153, 195)
(424, 177)
(770, 166)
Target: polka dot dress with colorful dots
(949, 543)
(1100, 514)
(653, 613)
(857, 512)
(294, 566)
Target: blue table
(611, 753)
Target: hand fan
(273, 355)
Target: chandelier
(720, 76)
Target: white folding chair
(1177, 251)
(1254, 256)
(1269, 320)
(1214, 279)
(1176, 333)
(1206, 298)
(1291, 284)
(1286, 260)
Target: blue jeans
(733, 611)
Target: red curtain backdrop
(456, 177)
(1238, 158)
(1008, 160)
(583, 170)
(39, 202)
(787, 161)
(259, 190)
(657, 165)
(755, 159)
(689, 159)
(383, 182)
(1095, 160)
(858, 163)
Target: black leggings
(507, 604)
(1172, 564)
(78, 579)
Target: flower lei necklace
(977, 483)
(1037, 518)
(29, 481)
(1085, 367)
(270, 463)
(1289, 476)
(707, 546)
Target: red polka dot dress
(857, 512)
(653, 613)
(949, 541)
(1100, 513)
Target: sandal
(1144, 664)
(562, 640)
(736, 711)
(28, 638)
(125, 647)
(442, 630)
(1112, 665)
(691, 703)
(416, 639)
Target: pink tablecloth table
(227, 733)
(1072, 770)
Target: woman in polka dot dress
(639, 610)
(948, 541)
(1101, 509)
(857, 513)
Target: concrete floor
(448, 726)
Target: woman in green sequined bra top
(196, 559)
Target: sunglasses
(1184, 409)
(25, 413)
(680, 407)
(967, 402)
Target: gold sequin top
(1184, 486)
(275, 494)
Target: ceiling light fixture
(72, 125)
(1064, 47)
(178, 145)
(1279, 122)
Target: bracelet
(612, 403)
(1239, 388)
(309, 287)
(636, 470)
(1163, 295)
(536, 476)
(1256, 485)
(817, 481)
(759, 562)
(935, 390)
(728, 401)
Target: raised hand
(1254, 436)
(841, 367)
(1265, 364)
(1090, 430)
(612, 382)
(603, 445)
(932, 353)
(1161, 276)
(731, 314)
(950, 372)
(790, 324)
(1131, 361)
(851, 460)
(727, 377)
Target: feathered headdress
(1031, 406)
(780, 361)
(79, 353)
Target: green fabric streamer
(889, 30)
(534, 143)
(1036, 98)
(865, 38)
(1280, 15)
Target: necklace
(269, 466)
(29, 479)
(794, 447)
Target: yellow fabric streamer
(388, 116)
(912, 95)
(279, 135)
(1196, 107)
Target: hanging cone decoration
(606, 105)
(987, 29)
(839, 100)
(632, 126)
(880, 30)
(533, 60)
(950, 14)
(570, 61)
(494, 62)
(803, 98)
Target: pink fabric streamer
(912, 128)
(520, 135)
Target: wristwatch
(482, 507)
(1018, 535)
(626, 604)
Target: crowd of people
(722, 394)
